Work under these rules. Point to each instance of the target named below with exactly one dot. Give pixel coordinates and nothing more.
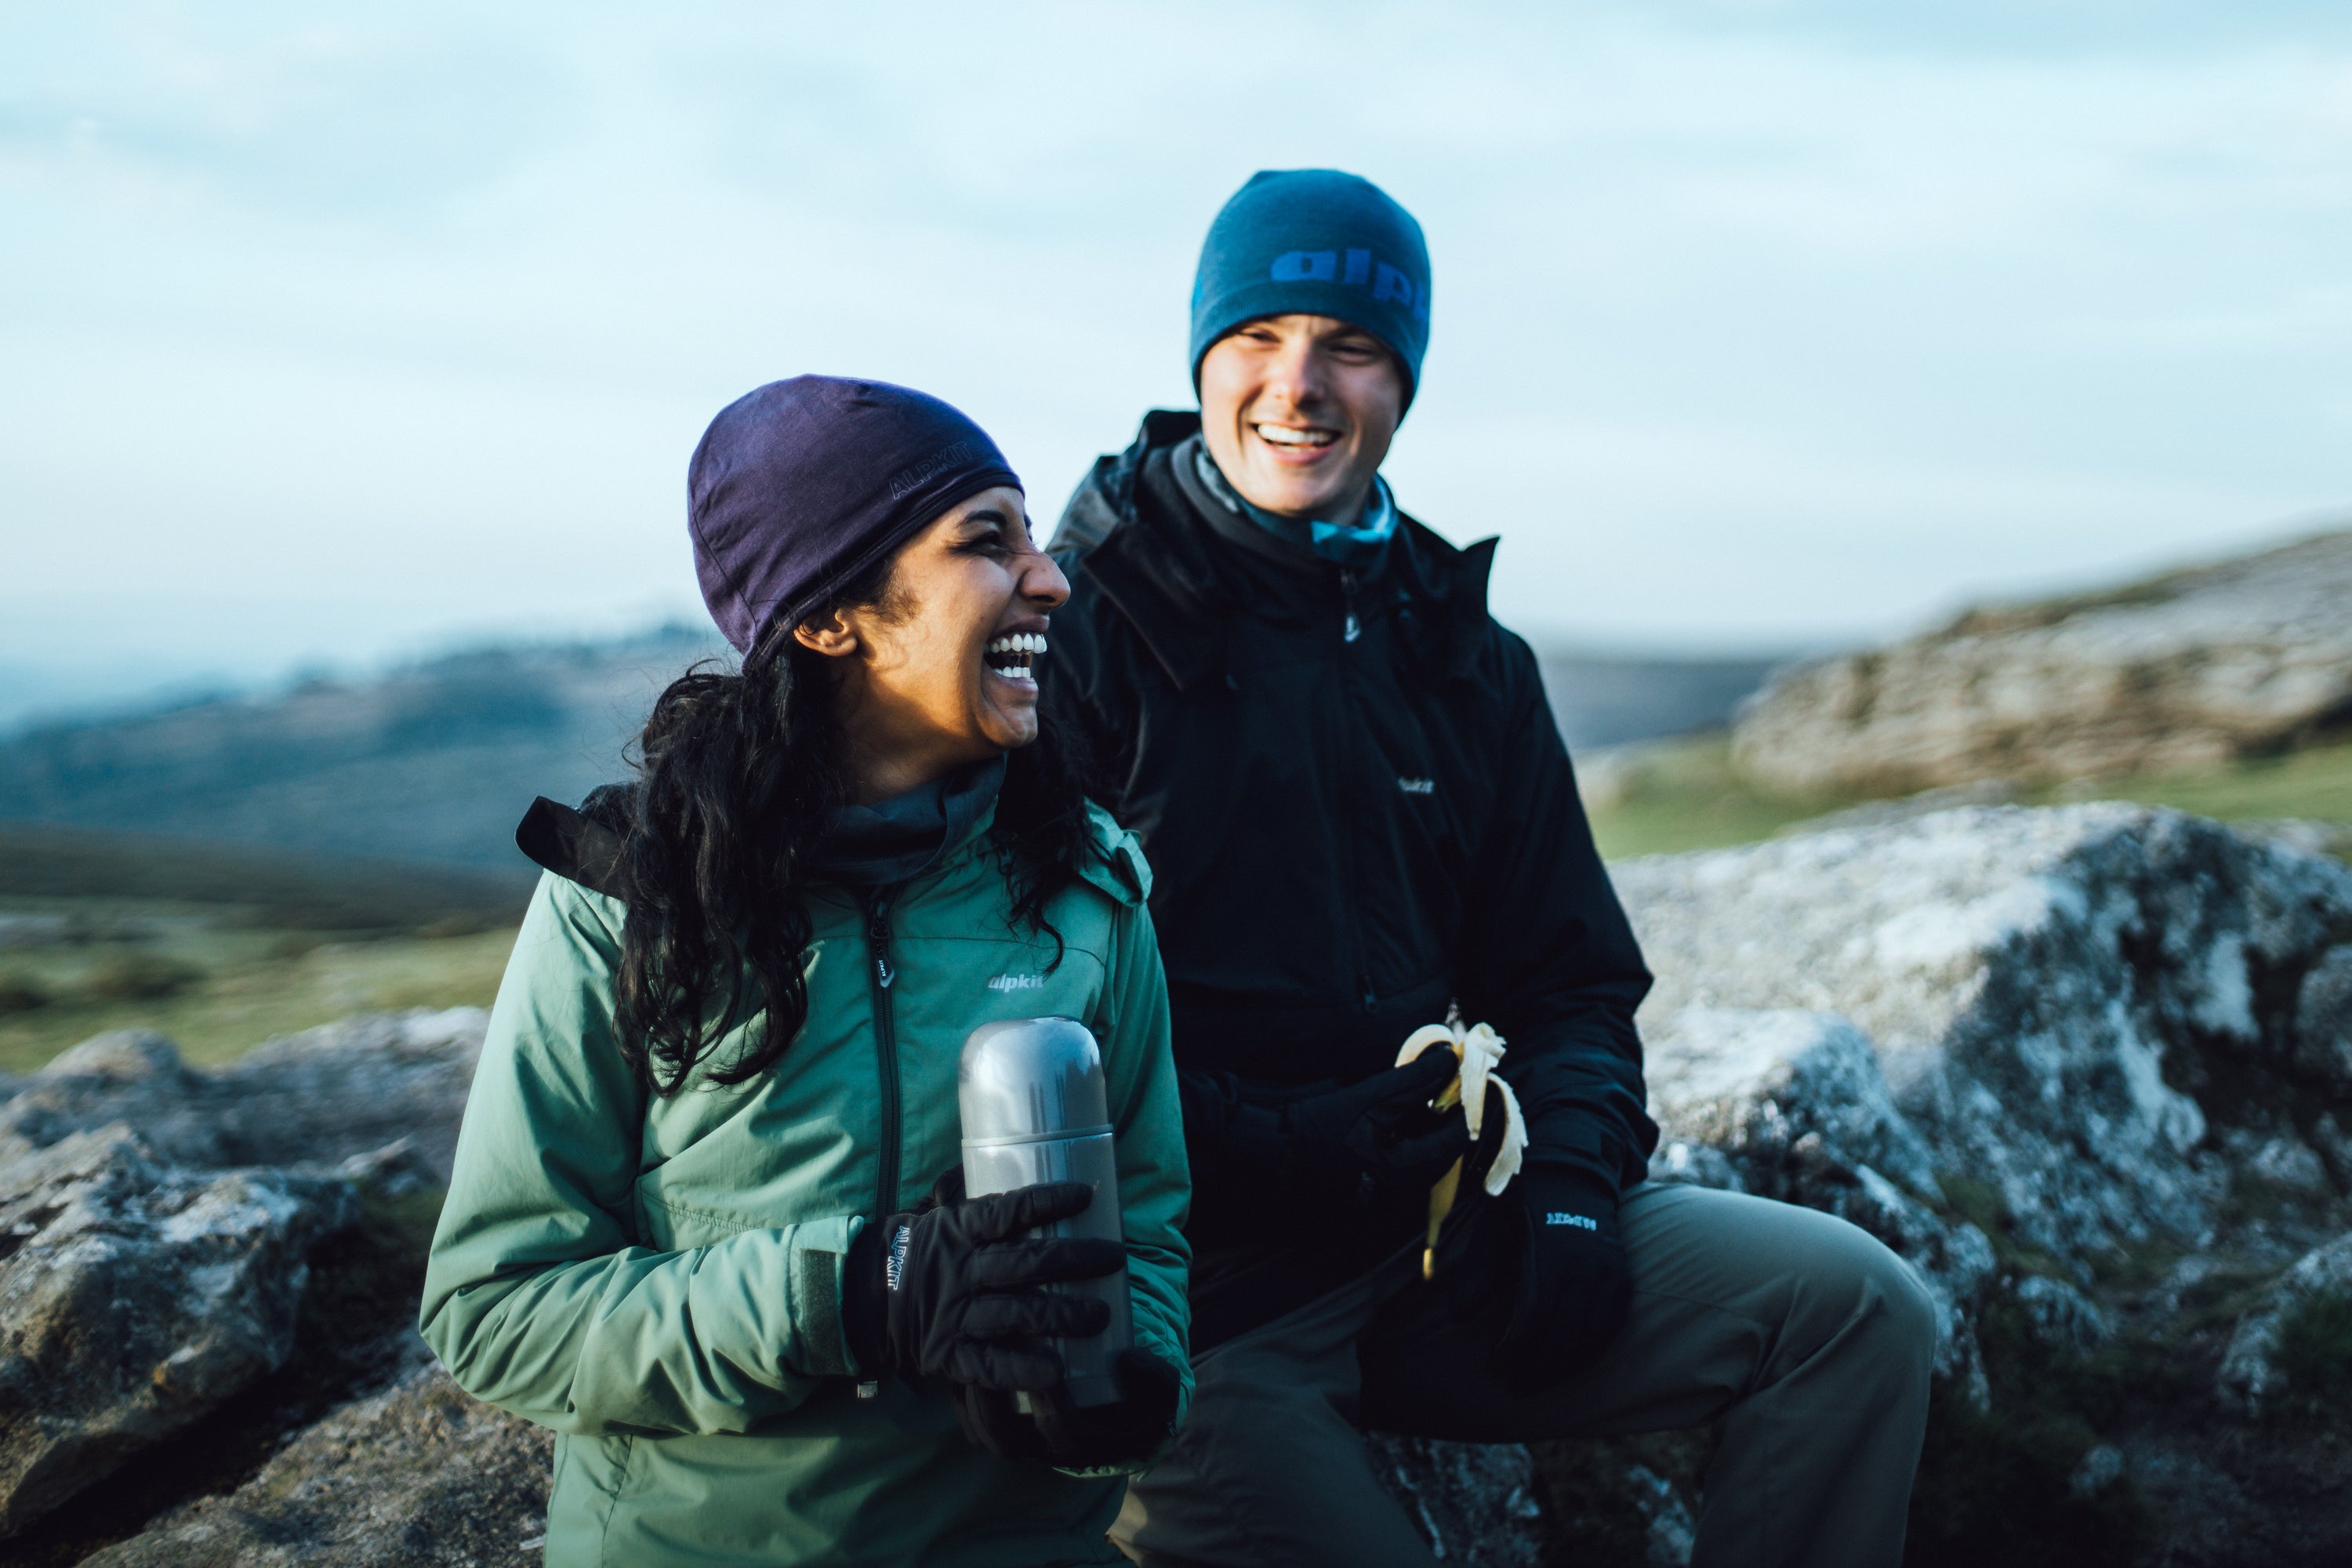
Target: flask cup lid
(1029, 1079)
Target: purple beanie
(802, 484)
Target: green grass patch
(1995, 1487)
(2316, 783)
(1672, 795)
(1685, 794)
(2315, 1352)
(288, 889)
(220, 990)
(221, 946)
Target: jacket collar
(1144, 542)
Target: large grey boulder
(319, 1097)
(134, 1298)
(2192, 668)
(419, 1475)
(2079, 1008)
(156, 1222)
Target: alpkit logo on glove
(894, 1263)
(1578, 1220)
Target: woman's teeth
(1284, 436)
(1011, 657)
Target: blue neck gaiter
(1360, 546)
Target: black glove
(1104, 1437)
(1544, 1262)
(952, 1289)
(1372, 1145)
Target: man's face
(1299, 411)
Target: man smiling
(1361, 820)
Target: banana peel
(1477, 1049)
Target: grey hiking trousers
(1804, 1337)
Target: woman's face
(941, 671)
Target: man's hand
(954, 1290)
(1545, 1257)
(1376, 1142)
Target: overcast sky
(334, 334)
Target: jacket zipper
(1351, 629)
(886, 1050)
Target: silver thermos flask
(1031, 1094)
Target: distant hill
(254, 885)
(1607, 700)
(435, 763)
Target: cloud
(1766, 315)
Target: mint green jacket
(659, 1279)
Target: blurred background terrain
(233, 868)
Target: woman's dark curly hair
(734, 776)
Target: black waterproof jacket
(1358, 809)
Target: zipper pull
(1347, 588)
(878, 936)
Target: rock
(2100, 1469)
(2061, 1316)
(2306, 834)
(1758, 1084)
(2290, 1166)
(420, 1476)
(319, 1097)
(2251, 1378)
(135, 1297)
(1910, 808)
(156, 1222)
(1474, 1502)
(2323, 1021)
(1794, 1107)
(2048, 993)
(2193, 667)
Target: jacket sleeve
(537, 1296)
(1155, 1186)
(1548, 956)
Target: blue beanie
(803, 484)
(1320, 243)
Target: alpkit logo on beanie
(1325, 266)
(906, 481)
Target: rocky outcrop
(2089, 1068)
(2074, 1006)
(157, 1225)
(419, 1475)
(2253, 1372)
(2189, 668)
(315, 1097)
(2086, 1068)
(135, 1298)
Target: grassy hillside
(1682, 795)
(432, 763)
(221, 946)
(219, 992)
